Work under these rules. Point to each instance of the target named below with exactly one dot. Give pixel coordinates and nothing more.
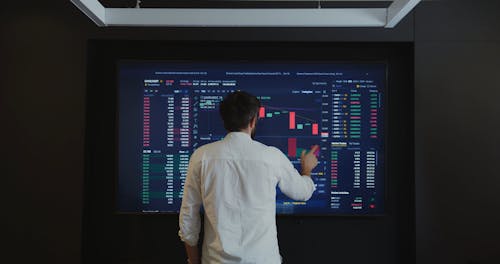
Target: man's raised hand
(308, 161)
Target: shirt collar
(238, 135)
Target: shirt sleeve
(189, 216)
(291, 183)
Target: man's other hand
(308, 161)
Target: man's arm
(189, 216)
(291, 183)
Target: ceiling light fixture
(246, 17)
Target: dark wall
(457, 54)
(42, 112)
(387, 239)
(42, 93)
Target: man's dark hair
(238, 109)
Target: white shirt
(235, 179)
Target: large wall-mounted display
(168, 108)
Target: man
(235, 179)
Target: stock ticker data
(168, 109)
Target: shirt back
(236, 179)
